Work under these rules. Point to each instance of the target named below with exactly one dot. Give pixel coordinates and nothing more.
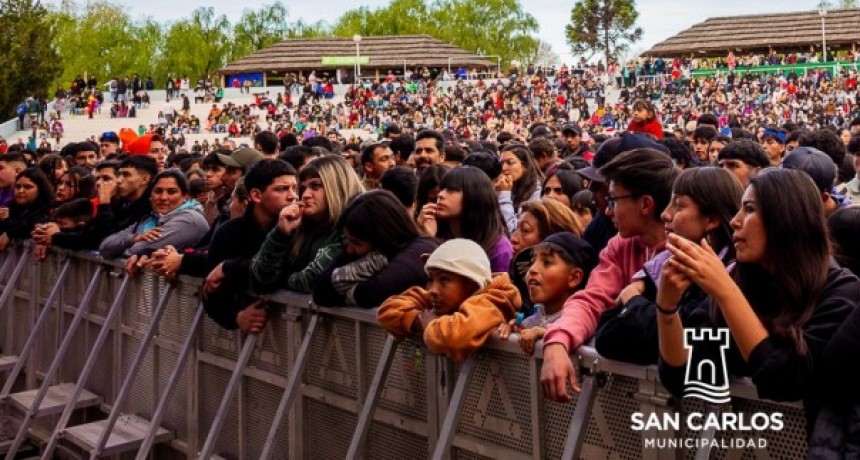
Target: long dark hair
(784, 290)
(718, 194)
(429, 179)
(45, 197)
(82, 181)
(528, 184)
(571, 183)
(377, 217)
(481, 219)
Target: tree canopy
(28, 59)
(602, 26)
(45, 47)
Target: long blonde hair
(340, 184)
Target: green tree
(28, 59)
(196, 46)
(102, 40)
(602, 26)
(259, 28)
(491, 27)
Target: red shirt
(647, 127)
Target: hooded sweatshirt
(457, 334)
(181, 228)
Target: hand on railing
(252, 319)
(556, 372)
(135, 264)
(166, 262)
(213, 280)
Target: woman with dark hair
(428, 186)
(54, 166)
(781, 303)
(561, 185)
(519, 182)
(834, 433)
(76, 182)
(466, 208)
(382, 256)
(176, 220)
(704, 201)
(305, 240)
(31, 204)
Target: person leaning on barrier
(382, 256)
(30, 206)
(561, 266)
(704, 201)
(109, 209)
(640, 187)
(306, 240)
(462, 306)
(271, 185)
(176, 220)
(782, 301)
(11, 164)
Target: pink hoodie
(619, 261)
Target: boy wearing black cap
(562, 264)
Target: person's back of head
(297, 155)
(709, 120)
(815, 163)
(486, 162)
(402, 146)
(74, 214)
(266, 142)
(844, 226)
(319, 141)
(747, 151)
(402, 182)
(826, 141)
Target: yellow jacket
(457, 334)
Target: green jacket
(273, 268)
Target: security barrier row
(94, 364)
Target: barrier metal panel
(503, 413)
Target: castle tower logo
(707, 377)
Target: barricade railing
(318, 382)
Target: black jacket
(777, 370)
(234, 243)
(404, 270)
(21, 221)
(110, 218)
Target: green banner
(345, 60)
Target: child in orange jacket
(462, 305)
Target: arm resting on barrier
(582, 310)
(398, 314)
(458, 334)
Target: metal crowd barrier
(155, 379)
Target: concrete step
(127, 435)
(7, 363)
(55, 400)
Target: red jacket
(647, 127)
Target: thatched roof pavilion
(762, 32)
(381, 53)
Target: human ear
(574, 278)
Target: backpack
(21, 110)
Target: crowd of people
(503, 208)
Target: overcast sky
(659, 19)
